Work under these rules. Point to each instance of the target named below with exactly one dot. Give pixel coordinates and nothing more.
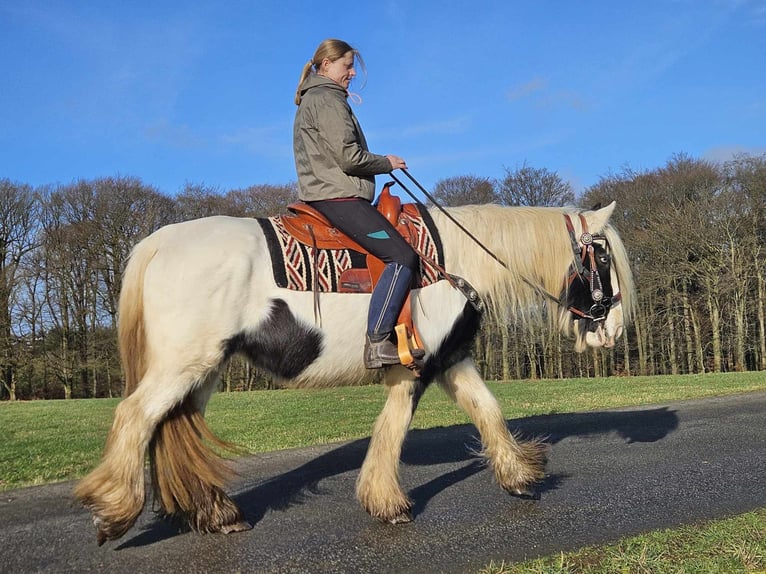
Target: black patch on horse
(280, 344)
(275, 251)
(456, 346)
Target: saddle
(311, 228)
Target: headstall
(585, 252)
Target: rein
(456, 282)
(446, 213)
(583, 250)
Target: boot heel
(380, 354)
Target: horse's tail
(131, 328)
(188, 474)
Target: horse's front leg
(377, 487)
(517, 464)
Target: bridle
(585, 254)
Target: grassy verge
(728, 546)
(44, 441)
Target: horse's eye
(604, 259)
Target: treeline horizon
(695, 232)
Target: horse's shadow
(442, 445)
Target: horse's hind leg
(164, 417)
(115, 490)
(377, 487)
(517, 464)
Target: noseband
(586, 270)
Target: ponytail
(304, 74)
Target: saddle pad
(293, 262)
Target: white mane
(532, 241)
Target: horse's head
(594, 301)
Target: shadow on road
(434, 446)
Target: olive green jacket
(331, 155)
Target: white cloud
(269, 141)
(537, 92)
(534, 86)
(754, 11)
(448, 126)
(178, 136)
(721, 154)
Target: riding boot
(385, 304)
(380, 353)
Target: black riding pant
(363, 223)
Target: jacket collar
(315, 80)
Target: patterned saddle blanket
(300, 266)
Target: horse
(197, 292)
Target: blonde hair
(332, 49)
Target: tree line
(695, 231)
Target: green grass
(728, 546)
(44, 441)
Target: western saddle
(311, 228)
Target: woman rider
(336, 176)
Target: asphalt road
(611, 474)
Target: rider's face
(341, 70)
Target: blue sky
(201, 91)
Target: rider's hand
(396, 162)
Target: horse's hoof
(525, 493)
(237, 527)
(401, 518)
(101, 537)
(106, 532)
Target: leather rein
(583, 250)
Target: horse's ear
(598, 218)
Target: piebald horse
(197, 292)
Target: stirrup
(410, 355)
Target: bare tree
(695, 233)
(465, 190)
(199, 200)
(18, 220)
(534, 187)
(261, 200)
(71, 280)
(746, 184)
(125, 210)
